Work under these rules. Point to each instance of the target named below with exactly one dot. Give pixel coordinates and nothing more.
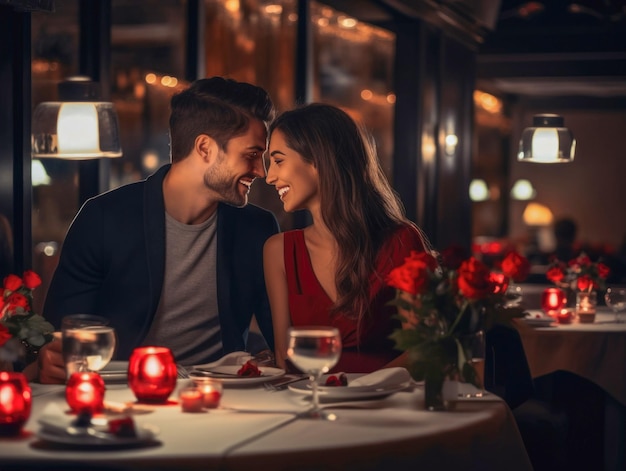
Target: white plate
(228, 374)
(146, 435)
(539, 321)
(115, 372)
(347, 393)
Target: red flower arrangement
(19, 325)
(439, 304)
(579, 273)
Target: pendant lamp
(547, 141)
(79, 126)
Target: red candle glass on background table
(152, 374)
(191, 399)
(552, 300)
(15, 402)
(84, 392)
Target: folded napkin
(233, 358)
(387, 377)
(55, 419)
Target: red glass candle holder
(565, 316)
(191, 399)
(15, 402)
(152, 374)
(211, 389)
(553, 300)
(84, 392)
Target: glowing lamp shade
(75, 130)
(478, 190)
(547, 141)
(537, 214)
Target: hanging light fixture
(548, 141)
(79, 126)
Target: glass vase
(440, 389)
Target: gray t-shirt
(187, 319)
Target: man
(177, 259)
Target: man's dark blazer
(113, 258)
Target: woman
(334, 271)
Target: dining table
(593, 351)
(258, 428)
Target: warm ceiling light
(548, 141)
(478, 190)
(80, 126)
(523, 190)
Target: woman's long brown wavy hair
(357, 203)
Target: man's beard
(218, 179)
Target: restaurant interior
(446, 87)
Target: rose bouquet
(440, 303)
(579, 273)
(20, 327)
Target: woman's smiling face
(296, 181)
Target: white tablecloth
(391, 433)
(594, 351)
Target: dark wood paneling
(456, 117)
(15, 166)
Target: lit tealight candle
(15, 402)
(84, 392)
(191, 399)
(152, 374)
(586, 306)
(565, 316)
(552, 300)
(211, 390)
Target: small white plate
(539, 321)
(145, 435)
(347, 393)
(227, 374)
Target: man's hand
(51, 365)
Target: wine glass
(314, 350)
(615, 298)
(88, 343)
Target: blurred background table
(581, 369)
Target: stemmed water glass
(615, 298)
(88, 343)
(314, 350)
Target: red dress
(310, 305)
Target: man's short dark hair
(218, 107)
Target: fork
(181, 372)
(282, 384)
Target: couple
(180, 259)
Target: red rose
(5, 335)
(249, 369)
(603, 271)
(413, 276)
(337, 380)
(12, 282)
(555, 274)
(585, 282)
(515, 266)
(31, 279)
(500, 282)
(453, 256)
(475, 279)
(16, 300)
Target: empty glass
(615, 298)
